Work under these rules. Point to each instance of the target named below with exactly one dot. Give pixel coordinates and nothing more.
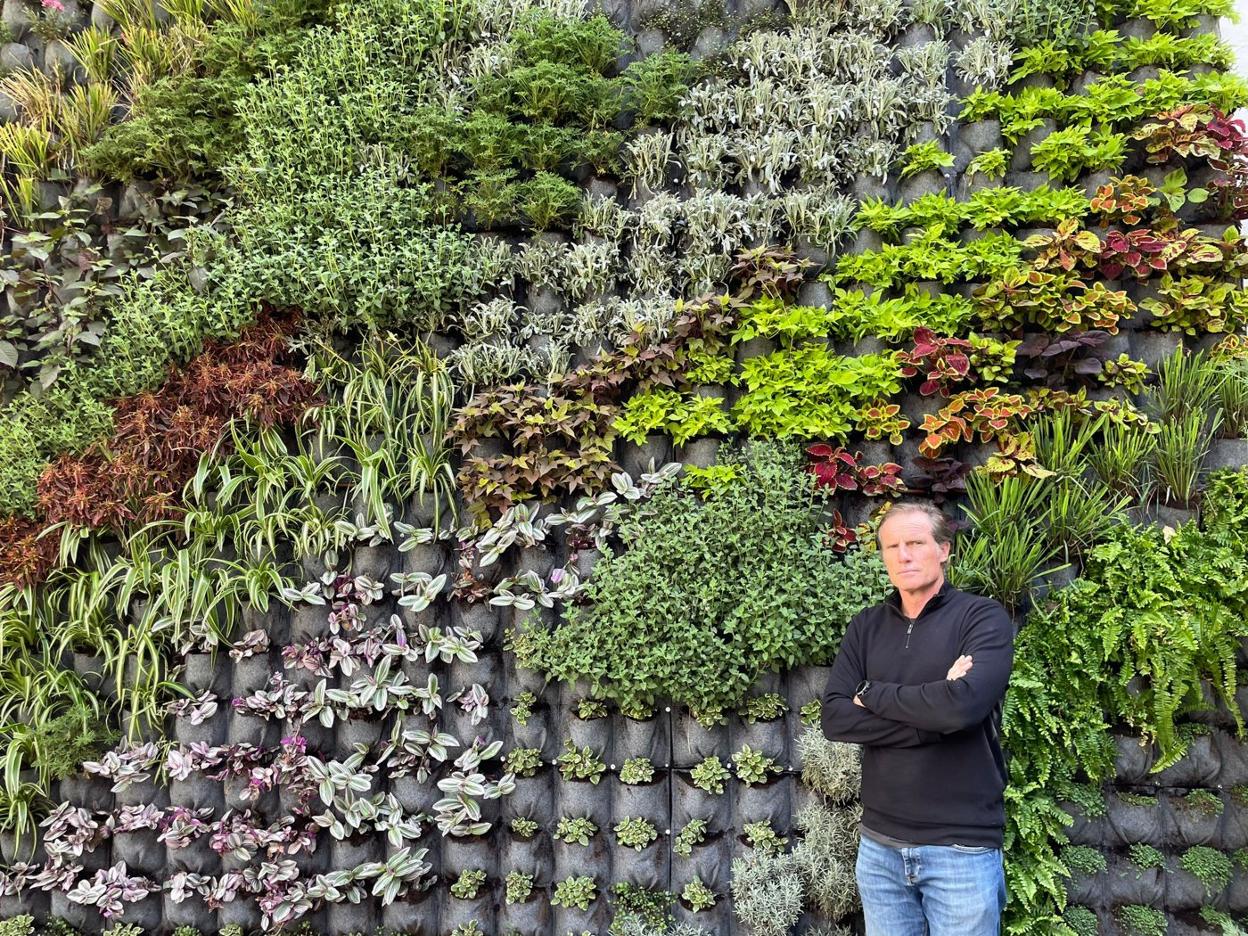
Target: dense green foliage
(154, 322)
(1128, 643)
(709, 593)
(186, 125)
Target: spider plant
(18, 805)
(84, 116)
(30, 150)
(130, 14)
(36, 96)
(243, 12)
(391, 413)
(1233, 396)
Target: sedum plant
(524, 762)
(637, 770)
(760, 835)
(519, 887)
(522, 710)
(766, 707)
(524, 827)
(697, 896)
(580, 763)
(468, 883)
(694, 833)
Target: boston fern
(1153, 610)
(711, 593)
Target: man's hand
(858, 702)
(961, 666)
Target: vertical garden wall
(441, 446)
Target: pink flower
(53, 5)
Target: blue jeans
(931, 890)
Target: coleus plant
(943, 361)
(1057, 302)
(1144, 252)
(1056, 360)
(1192, 130)
(139, 473)
(988, 412)
(1070, 247)
(839, 535)
(1123, 200)
(27, 553)
(1126, 200)
(941, 476)
(1197, 304)
(838, 470)
(1015, 454)
(775, 272)
(558, 439)
(882, 420)
(1201, 130)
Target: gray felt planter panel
(692, 802)
(531, 918)
(582, 798)
(1128, 884)
(650, 739)
(1129, 823)
(417, 914)
(692, 743)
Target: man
(919, 682)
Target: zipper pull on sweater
(908, 630)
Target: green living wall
(441, 446)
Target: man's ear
(945, 550)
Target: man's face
(911, 554)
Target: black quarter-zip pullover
(932, 768)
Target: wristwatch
(862, 688)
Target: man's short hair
(942, 529)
